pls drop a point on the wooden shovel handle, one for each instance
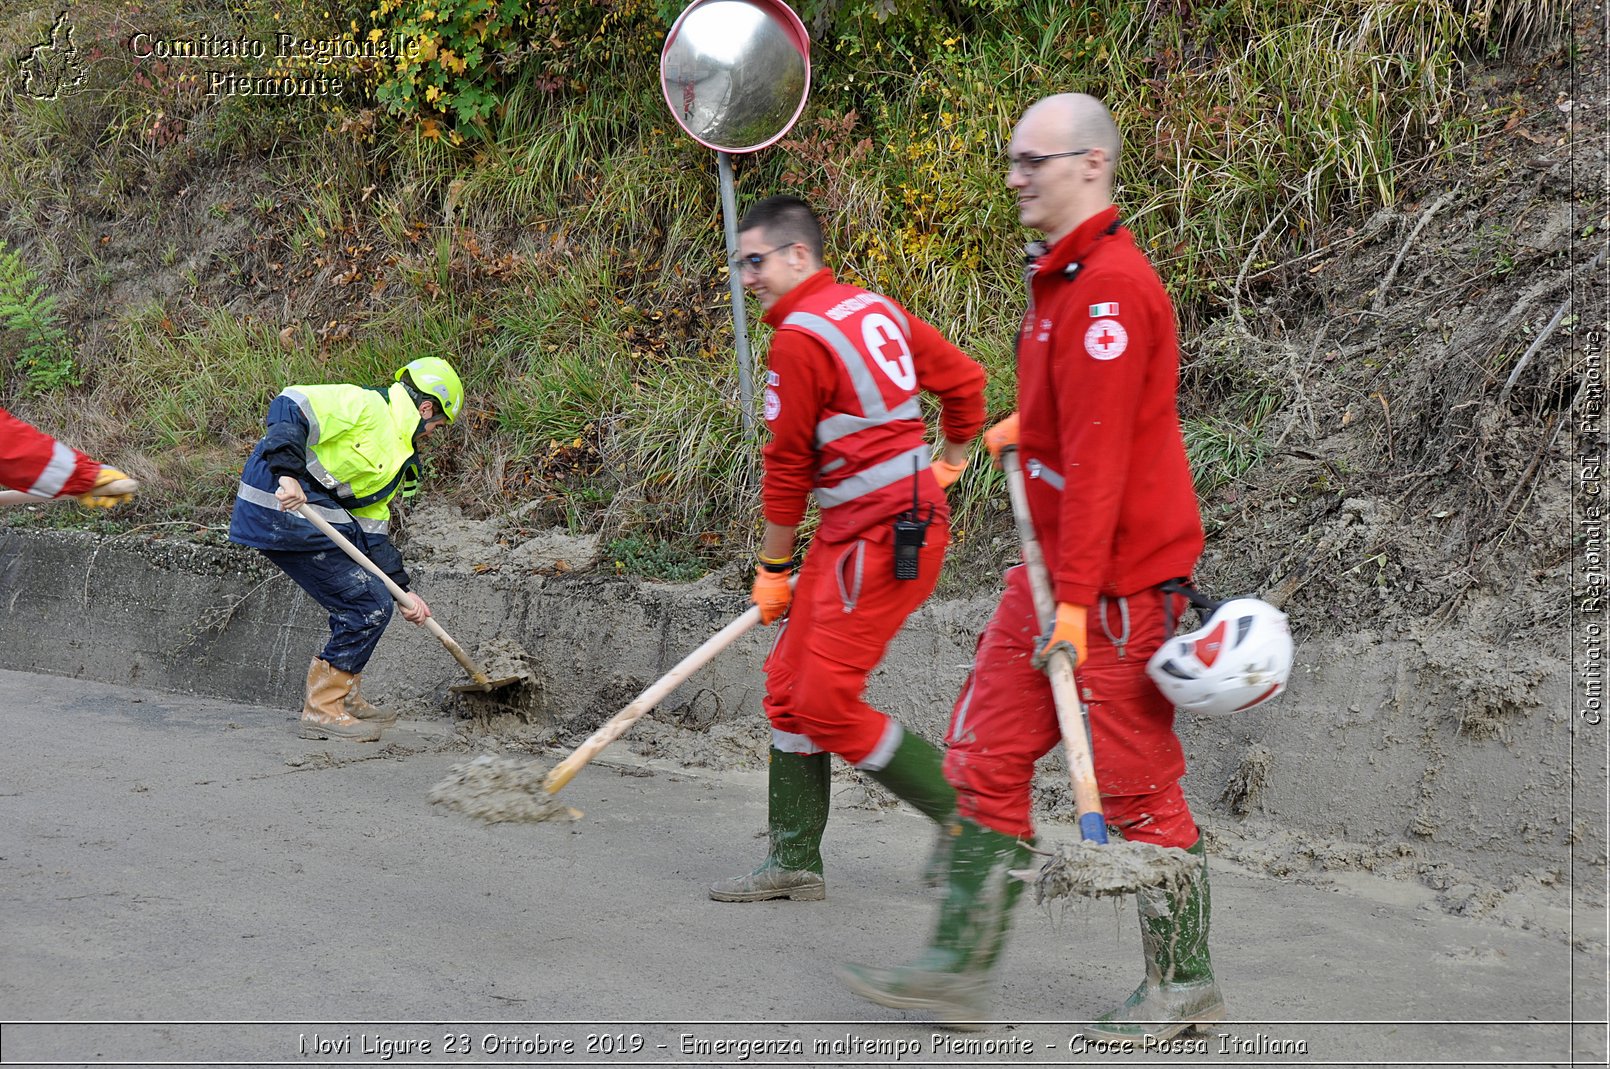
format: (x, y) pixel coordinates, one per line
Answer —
(397, 592)
(1071, 715)
(566, 770)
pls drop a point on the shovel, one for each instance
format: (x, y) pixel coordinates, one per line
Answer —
(115, 488)
(1093, 867)
(477, 673)
(566, 770)
(498, 789)
(1071, 715)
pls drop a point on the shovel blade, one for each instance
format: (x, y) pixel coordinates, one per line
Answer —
(489, 685)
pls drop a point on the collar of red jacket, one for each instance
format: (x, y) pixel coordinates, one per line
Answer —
(1077, 244)
(791, 300)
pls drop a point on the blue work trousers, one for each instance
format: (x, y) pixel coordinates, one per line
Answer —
(358, 603)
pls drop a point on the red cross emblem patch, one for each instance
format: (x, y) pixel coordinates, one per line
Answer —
(1106, 339)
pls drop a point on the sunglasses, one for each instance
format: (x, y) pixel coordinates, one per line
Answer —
(752, 261)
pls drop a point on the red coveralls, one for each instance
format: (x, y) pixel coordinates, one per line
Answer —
(841, 399)
(33, 461)
(1113, 505)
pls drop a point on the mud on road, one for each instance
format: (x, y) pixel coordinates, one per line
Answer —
(175, 858)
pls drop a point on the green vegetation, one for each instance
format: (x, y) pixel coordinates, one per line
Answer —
(509, 191)
(33, 344)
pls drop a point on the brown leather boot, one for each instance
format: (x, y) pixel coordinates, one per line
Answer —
(357, 706)
(324, 714)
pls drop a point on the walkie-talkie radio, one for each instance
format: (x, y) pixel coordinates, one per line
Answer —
(910, 532)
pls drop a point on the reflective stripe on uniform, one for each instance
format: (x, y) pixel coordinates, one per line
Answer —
(866, 389)
(888, 306)
(887, 473)
(60, 468)
(306, 405)
(326, 480)
(264, 499)
(789, 742)
(844, 424)
(883, 752)
(875, 412)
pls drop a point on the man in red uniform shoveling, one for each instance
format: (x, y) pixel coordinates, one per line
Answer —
(842, 385)
(1109, 490)
(35, 463)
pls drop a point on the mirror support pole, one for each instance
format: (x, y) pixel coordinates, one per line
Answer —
(740, 318)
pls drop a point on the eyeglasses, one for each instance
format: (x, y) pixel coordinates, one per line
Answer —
(1030, 164)
(753, 261)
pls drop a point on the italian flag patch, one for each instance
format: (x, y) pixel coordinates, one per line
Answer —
(1098, 311)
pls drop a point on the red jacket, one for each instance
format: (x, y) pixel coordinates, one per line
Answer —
(33, 461)
(1098, 376)
(876, 420)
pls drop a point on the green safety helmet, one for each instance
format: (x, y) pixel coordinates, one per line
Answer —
(434, 376)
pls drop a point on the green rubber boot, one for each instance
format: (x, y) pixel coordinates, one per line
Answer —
(796, 816)
(1179, 990)
(951, 977)
(916, 775)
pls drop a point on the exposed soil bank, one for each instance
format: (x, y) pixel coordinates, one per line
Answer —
(1417, 758)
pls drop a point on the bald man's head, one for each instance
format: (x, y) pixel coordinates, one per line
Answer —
(1064, 151)
(1084, 121)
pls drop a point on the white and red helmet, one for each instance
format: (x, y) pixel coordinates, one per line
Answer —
(1239, 658)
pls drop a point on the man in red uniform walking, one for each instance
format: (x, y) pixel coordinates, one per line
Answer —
(35, 463)
(1113, 505)
(841, 399)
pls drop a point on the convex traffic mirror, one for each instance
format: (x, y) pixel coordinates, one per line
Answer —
(736, 72)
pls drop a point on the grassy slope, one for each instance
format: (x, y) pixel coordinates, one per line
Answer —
(210, 250)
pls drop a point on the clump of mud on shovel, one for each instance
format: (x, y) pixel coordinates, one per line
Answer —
(1102, 870)
(498, 790)
(504, 657)
(518, 688)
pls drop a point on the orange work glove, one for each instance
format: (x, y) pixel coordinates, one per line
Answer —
(93, 500)
(1000, 436)
(947, 474)
(1067, 634)
(771, 592)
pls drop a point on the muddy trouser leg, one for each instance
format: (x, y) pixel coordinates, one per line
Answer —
(358, 603)
(1003, 720)
(1001, 723)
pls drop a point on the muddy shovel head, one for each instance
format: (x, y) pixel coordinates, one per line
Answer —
(482, 686)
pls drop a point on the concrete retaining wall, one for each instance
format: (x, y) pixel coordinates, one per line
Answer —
(1370, 746)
